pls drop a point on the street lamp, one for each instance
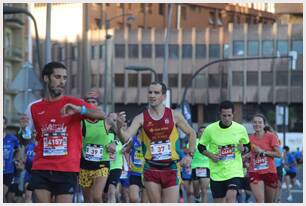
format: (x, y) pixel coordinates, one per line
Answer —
(141, 69)
(184, 104)
(107, 56)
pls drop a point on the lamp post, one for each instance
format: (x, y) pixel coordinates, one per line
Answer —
(141, 69)
(107, 80)
(184, 104)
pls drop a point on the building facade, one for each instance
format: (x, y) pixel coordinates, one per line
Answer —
(198, 35)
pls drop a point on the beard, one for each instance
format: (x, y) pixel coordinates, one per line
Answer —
(54, 92)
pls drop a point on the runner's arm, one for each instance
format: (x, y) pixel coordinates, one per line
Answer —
(275, 153)
(126, 133)
(71, 109)
(184, 126)
(203, 150)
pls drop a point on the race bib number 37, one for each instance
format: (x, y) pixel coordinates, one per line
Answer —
(161, 150)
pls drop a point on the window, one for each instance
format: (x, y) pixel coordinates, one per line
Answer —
(73, 80)
(119, 50)
(142, 8)
(93, 51)
(266, 78)
(161, 9)
(238, 48)
(101, 79)
(173, 80)
(213, 80)
(200, 51)
(214, 51)
(282, 47)
(225, 51)
(187, 51)
(211, 18)
(74, 52)
(119, 80)
(184, 12)
(267, 47)
(296, 78)
(150, 5)
(200, 80)
(252, 78)
(237, 78)
(185, 79)
(281, 78)
(101, 51)
(159, 50)
(297, 45)
(133, 50)
(94, 80)
(146, 80)
(132, 80)
(61, 53)
(173, 51)
(146, 50)
(252, 48)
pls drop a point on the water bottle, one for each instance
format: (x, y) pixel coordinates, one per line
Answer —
(27, 134)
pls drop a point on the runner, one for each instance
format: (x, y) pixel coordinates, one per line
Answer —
(10, 147)
(262, 170)
(115, 173)
(223, 142)
(57, 121)
(160, 141)
(200, 172)
(291, 169)
(97, 144)
(137, 192)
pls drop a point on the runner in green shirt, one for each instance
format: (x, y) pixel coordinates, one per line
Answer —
(223, 142)
(200, 172)
(96, 147)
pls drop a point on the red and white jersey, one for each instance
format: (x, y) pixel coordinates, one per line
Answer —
(59, 139)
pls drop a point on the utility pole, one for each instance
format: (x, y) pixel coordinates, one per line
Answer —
(48, 35)
(166, 53)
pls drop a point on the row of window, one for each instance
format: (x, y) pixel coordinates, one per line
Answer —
(268, 48)
(214, 80)
(239, 49)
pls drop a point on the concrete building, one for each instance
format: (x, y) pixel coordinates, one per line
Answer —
(15, 53)
(199, 34)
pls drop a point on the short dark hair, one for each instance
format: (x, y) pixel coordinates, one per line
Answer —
(226, 105)
(263, 117)
(164, 87)
(286, 148)
(48, 68)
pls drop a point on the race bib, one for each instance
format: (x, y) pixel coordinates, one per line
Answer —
(201, 172)
(94, 152)
(161, 150)
(55, 144)
(138, 158)
(188, 170)
(227, 152)
(261, 163)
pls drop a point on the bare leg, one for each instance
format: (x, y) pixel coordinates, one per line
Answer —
(269, 194)
(42, 196)
(258, 190)
(154, 191)
(170, 194)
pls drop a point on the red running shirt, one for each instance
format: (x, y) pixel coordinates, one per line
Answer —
(263, 164)
(59, 139)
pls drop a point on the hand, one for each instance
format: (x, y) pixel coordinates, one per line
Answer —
(240, 147)
(215, 158)
(70, 109)
(186, 161)
(23, 121)
(121, 120)
(257, 149)
(111, 148)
